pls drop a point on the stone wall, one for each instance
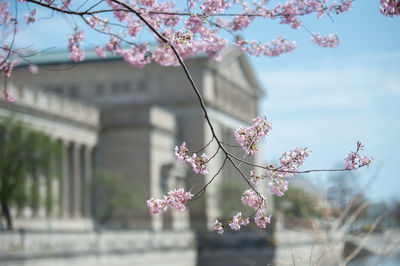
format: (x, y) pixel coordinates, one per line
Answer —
(98, 248)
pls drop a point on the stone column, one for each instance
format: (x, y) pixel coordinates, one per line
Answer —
(64, 181)
(55, 196)
(27, 211)
(42, 195)
(87, 173)
(76, 181)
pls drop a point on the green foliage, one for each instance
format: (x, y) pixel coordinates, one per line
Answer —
(114, 196)
(25, 154)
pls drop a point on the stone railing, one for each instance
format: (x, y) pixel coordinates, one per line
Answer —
(53, 104)
(98, 248)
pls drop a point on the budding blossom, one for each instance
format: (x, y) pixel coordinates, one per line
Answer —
(248, 137)
(238, 221)
(176, 199)
(198, 163)
(354, 160)
(254, 178)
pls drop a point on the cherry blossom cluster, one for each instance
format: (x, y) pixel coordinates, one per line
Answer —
(343, 6)
(290, 162)
(176, 199)
(278, 185)
(137, 55)
(218, 227)
(192, 30)
(75, 42)
(211, 7)
(252, 199)
(31, 16)
(8, 96)
(248, 137)
(332, 40)
(6, 65)
(198, 163)
(261, 220)
(390, 8)
(354, 160)
(271, 49)
(238, 221)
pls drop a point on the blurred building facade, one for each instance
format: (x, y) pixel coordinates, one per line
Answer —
(125, 122)
(137, 117)
(118, 126)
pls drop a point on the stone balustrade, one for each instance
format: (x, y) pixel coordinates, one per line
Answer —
(53, 104)
(98, 248)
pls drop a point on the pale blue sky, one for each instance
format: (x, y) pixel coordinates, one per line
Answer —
(322, 98)
(327, 99)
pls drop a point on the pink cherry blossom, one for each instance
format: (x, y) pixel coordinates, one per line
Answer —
(271, 49)
(75, 45)
(332, 40)
(31, 17)
(278, 186)
(6, 66)
(199, 163)
(100, 51)
(210, 7)
(34, 69)
(156, 205)
(292, 160)
(182, 153)
(8, 96)
(218, 227)
(261, 220)
(238, 221)
(249, 136)
(354, 160)
(252, 199)
(137, 55)
(390, 8)
(177, 198)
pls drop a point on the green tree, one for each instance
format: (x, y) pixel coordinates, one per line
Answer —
(24, 153)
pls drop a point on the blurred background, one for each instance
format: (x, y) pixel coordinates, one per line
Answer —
(84, 146)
